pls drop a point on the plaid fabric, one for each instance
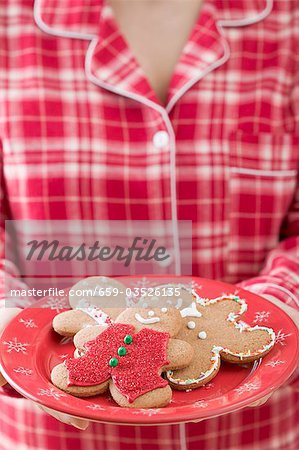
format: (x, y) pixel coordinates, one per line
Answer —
(83, 136)
(273, 426)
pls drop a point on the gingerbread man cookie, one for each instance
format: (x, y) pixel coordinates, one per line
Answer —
(213, 329)
(89, 299)
(127, 359)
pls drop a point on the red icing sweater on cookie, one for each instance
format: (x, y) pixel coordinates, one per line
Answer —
(133, 366)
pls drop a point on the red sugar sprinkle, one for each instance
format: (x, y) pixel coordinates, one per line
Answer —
(137, 372)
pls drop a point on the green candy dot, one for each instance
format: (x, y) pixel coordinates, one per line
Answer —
(121, 351)
(113, 362)
(128, 339)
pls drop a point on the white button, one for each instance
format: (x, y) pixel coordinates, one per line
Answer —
(161, 139)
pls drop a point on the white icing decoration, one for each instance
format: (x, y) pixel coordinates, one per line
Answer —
(207, 301)
(151, 313)
(148, 321)
(97, 314)
(232, 317)
(216, 359)
(191, 325)
(241, 326)
(164, 310)
(191, 311)
(202, 335)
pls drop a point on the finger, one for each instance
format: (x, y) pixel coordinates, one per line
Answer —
(81, 424)
(2, 380)
(260, 402)
(6, 315)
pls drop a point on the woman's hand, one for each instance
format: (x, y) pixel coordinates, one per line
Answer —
(6, 315)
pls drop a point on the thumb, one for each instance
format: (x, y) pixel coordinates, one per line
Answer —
(261, 402)
(7, 314)
(81, 424)
(2, 380)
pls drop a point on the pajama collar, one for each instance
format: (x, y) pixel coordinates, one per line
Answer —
(110, 63)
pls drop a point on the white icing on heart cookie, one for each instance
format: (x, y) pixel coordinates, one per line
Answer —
(94, 312)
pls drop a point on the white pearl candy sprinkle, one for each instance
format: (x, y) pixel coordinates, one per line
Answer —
(164, 310)
(202, 335)
(151, 313)
(191, 325)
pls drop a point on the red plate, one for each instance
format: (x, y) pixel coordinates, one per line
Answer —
(30, 349)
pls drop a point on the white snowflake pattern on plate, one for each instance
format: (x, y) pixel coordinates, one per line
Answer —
(200, 404)
(141, 283)
(148, 412)
(192, 285)
(50, 393)
(15, 346)
(275, 363)
(281, 337)
(23, 370)
(56, 303)
(95, 407)
(261, 316)
(248, 387)
(28, 323)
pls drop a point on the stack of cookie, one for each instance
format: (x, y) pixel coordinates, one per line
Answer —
(141, 354)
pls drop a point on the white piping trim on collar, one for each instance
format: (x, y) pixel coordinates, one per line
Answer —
(250, 21)
(55, 31)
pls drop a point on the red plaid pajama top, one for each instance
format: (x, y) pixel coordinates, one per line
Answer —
(83, 136)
